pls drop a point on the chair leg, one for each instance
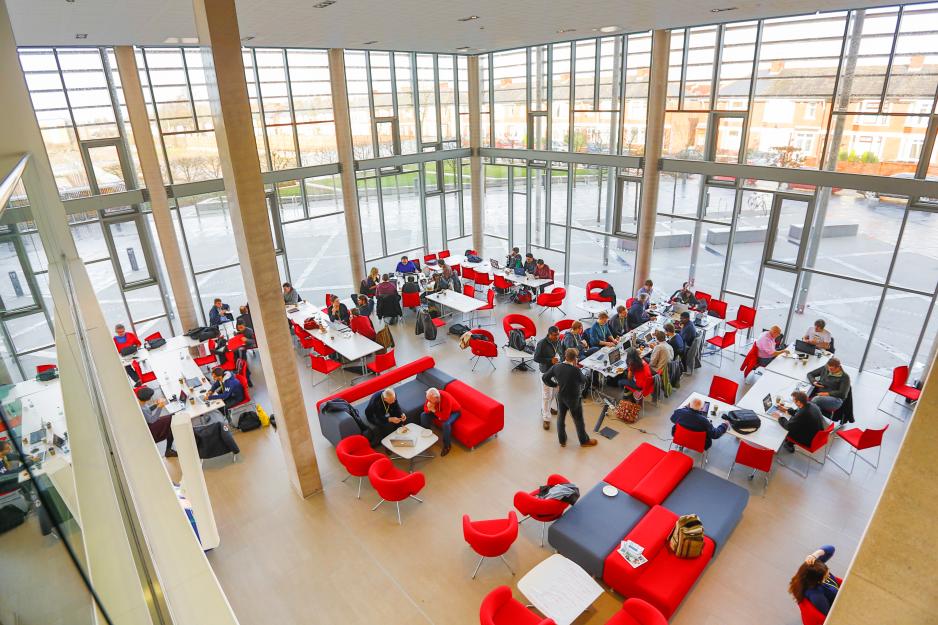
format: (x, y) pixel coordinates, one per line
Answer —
(398, 504)
(417, 498)
(377, 504)
(360, 487)
(506, 564)
(493, 364)
(730, 472)
(543, 531)
(478, 566)
(347, 477)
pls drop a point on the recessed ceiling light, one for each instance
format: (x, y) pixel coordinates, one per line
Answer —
(566, 30)
(723, 9)
(184, 40)
(607, 29)
(468, 19)
(247, 38)
(70, 1)
(463, 49)
(369, 43)
(81, 36)
(324, 4)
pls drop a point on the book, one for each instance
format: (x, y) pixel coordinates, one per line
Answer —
(632, 553)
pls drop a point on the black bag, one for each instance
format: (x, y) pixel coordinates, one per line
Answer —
(418, 323)
(480, 337)
(458, 329)
(130, 350)
(522, 296)
(203, 333)
(340, 405)
(471, 258)
(48, 374)
(516, 340)
(429, 330)
(10, 517)
(249, 421)
(157, 342)
(610, 293)
(744, 421)
(215, 439)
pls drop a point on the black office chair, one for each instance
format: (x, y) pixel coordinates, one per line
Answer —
(831, 348)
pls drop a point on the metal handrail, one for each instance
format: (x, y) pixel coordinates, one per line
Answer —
(9, 181)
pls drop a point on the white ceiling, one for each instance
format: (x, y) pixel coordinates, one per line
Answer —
(421, 25)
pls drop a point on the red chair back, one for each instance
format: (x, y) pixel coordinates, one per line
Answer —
(728, 339)
(500, 608)
(490, 300)
(391, 483)
(410, 300)
(41, 368)
(468, 273)
(468, 290)
(745, 316)
(696, 441)
(457, 269)
(723, 390)
(525, 324)
(751, 361)
(717, 308)
(383, 362)
(321, 348)
(443, 254)
(900, 376)
(243, 379)
(490, 538)
(809, 614)
(593, 288)
(704, 296)
(155, 335)
(544, 510)
(322, 365)
(629, 302)
(757, 458)
(328, 300)
(429, 257)
(483, 279)
(871, 438)
(356, 455)
(501, 282)
(564, 324)
(820, 439)
(551, 273)
(486, 349)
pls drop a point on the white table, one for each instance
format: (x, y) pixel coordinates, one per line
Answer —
(594, 308)
(350, 345)
(770, 434)
(173, 344)
(527, 280)
(169, 367)
(773, 384)
(560, 589)
(517, 355)
(793, 367)
(456, 301)
(421, 443)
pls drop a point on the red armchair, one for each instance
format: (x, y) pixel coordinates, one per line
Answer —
(542, 510)
(637, 612)
(483, 348)
(357, 456)
(395, 485)
(490, 539)
(564, 324)
(521, 322)
(500, 608)
(593, 288)
(552, 299)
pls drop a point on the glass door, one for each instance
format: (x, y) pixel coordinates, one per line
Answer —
(788, 229)
(107, 166)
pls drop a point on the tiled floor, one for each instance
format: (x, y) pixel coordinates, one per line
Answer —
(330, 559)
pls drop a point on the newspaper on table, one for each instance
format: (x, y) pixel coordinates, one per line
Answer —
(632, 552)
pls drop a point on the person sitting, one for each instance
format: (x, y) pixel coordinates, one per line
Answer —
(160, 427)
(767, 346)
(818, 336)
(411, 286)
(244, 316)
(806, 421)
(445, 270)
(638, 313)
(619, 323)
(813, 580)
(541, 270)
(693, 417)
(250, 342)
(599, 334)
(674, 340)
(361, 324)
(370, 283)
(443, 407)
(123, 340)
(365, 305)
(567, 377)
(574, 339)
(688, 331)
(684, 295)
(406, 266)
(441, 283)
(662, 354)
(225, 387)
(831, 385)
(514, 259)
(386, 287)
(529, 263)
(384, 412)
(338, 311)
(290, 296)
(648, 290)
(638, 376)
(9, 459)
(219, 313)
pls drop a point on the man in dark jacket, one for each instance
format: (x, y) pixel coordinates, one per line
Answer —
(619, 323)
(688, 331)
(831, 385)
(806, 421)
(384, 412)
(693, 417)
(546, 355)
(637, 312)
(225, 387)
(219, 313)
(675, 340)
(569, 380)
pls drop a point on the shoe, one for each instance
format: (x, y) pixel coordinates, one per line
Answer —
(553, 411)
(170, 453)
(564, 444)
(788, 446)
(546, 425)
(590, 443)
(445, 451)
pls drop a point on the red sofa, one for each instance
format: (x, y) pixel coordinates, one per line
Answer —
(480, 416)
(650, 474)
(665, 579)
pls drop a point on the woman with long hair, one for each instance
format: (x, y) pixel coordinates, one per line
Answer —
(638, 379)
(814, 581)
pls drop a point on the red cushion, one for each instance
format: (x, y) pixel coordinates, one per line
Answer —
(480, 415)
(381, 382)
(665, 579)
(662, 478)
(635, 466)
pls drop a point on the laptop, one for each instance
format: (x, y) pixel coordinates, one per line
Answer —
(494, 263)
(769, 405)
(677, 308)
(805, 348)
(172, 407)
(615, 355)
(519, 271)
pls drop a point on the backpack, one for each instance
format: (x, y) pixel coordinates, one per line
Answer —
(458, 329)
(249, 421)
(429, 330)
(522, 296)
(203, 333)
(516, 340)
(157, 342)
(384, 339)
(687, 537)
(472, 258)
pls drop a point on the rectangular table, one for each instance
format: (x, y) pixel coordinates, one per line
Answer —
(773, 384)
(795, 368)
(336, 336)
(457, 301)
(527, 280)
(560, 589)
(770, 434)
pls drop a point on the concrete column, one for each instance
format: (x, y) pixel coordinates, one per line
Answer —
(119, 477)
(475, 161)
(654, 131)
(217, 24)
(892, 578)
(153, 179)
(343, 139)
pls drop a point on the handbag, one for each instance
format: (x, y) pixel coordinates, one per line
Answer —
(744, 421)
(130, 350)
(310, 324)
(157, 342)
(627, 411)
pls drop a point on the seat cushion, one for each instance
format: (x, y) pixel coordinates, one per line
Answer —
(411, 397)
(635, 466)
(593, 527)
(718, 502)
(469, 429)
(662, 478)
(435, 377)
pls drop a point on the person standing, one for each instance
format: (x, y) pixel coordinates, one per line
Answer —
(570, 381)
(546, 355)
(124, 339)
(442, 408)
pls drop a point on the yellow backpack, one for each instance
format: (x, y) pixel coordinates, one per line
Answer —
(265, 420)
